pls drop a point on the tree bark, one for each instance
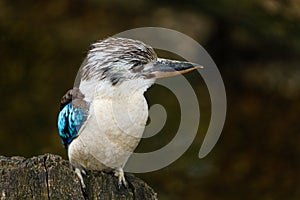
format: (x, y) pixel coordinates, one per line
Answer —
(51, 177)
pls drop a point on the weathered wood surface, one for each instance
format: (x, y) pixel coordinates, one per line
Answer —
(51, 177)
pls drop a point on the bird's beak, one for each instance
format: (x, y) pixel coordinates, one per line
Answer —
(164, 68)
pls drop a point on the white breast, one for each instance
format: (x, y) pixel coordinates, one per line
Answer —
(114, 127)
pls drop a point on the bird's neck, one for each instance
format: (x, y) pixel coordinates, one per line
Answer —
(105, 90)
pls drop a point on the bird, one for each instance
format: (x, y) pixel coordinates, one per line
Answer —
(102, 118)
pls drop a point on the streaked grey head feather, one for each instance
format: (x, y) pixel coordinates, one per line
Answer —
(116, 59)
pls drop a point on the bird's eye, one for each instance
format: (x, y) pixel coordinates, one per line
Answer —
(137, 68)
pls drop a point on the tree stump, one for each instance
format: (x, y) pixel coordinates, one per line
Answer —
(51, 177)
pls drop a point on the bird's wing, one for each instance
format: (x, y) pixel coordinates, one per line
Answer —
(73, 113)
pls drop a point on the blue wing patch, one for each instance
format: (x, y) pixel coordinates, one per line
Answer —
(70, 120)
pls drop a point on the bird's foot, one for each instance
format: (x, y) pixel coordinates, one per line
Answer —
(121, 178)
(79, 174)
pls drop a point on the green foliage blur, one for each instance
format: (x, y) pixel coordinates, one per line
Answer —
(255, 43)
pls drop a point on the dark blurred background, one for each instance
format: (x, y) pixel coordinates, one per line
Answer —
(255, 44)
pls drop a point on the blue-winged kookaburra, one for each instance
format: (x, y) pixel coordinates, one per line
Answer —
(102, 119)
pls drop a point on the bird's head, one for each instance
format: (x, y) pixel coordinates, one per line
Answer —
(118, 60)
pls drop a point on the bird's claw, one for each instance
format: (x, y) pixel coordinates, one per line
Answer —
(79, 174)
(121, 178)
